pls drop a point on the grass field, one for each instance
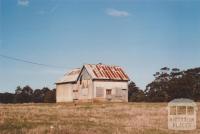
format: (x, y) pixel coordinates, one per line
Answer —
(98, 118)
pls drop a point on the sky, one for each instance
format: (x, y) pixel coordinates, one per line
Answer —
(141, 36)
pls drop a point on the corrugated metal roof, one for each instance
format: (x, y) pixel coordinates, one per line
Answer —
(97, 71)
(101, 71)
(182, 102)
(71, 76)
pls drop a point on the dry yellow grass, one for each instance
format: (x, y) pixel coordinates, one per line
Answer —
(98, 118)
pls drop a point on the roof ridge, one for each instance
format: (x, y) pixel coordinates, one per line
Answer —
(104, 65)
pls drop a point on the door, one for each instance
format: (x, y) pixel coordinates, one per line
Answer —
(75, 94)
(109, 94)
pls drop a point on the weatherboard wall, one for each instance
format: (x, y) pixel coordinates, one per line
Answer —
(119, 90)
(64, 92)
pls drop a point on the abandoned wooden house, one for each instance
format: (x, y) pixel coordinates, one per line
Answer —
(93, 83)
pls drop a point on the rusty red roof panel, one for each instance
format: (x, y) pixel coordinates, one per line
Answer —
(95, 73)
(101, 71)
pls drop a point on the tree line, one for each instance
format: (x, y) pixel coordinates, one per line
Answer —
(28, 95)
(167, 85)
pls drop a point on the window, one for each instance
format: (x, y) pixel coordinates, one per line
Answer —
(181, 110)
(119, 92)
(108, 91)
(99, 92)
(190, 110)
(75, 90)
(173, 110)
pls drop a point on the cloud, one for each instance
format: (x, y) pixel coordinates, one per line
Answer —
(117, 13)
(47, 11)
(23, 2)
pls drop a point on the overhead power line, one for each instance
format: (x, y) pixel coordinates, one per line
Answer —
(27, 61)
